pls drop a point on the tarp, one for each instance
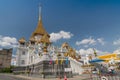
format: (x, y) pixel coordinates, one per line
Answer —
(96, 60)
(108, 56)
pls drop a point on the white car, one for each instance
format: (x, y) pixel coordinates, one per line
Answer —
(94, 72)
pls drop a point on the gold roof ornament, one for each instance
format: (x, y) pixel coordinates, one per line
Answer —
(58, 54)
(66, 54)
(22, 40)
(32, 39)
(72, 53)
(65, 45)
(45, 49)
(71, 50)
(40, 29)
(45, 39)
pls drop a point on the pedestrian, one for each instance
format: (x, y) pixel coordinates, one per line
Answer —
(28, 72)
(65, 78)
(98, 71)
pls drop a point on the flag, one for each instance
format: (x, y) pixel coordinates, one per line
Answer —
(50, 61)
(56, 61)
(66, 60)
(61, 61)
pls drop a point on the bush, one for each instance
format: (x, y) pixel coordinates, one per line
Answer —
(6, 70)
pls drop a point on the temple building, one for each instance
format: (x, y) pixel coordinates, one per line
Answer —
(39, 56)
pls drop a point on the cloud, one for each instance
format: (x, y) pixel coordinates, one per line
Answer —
(90, 41)
(6, 41)
(86, 41)
(116, 42)
(117, 50)
(101, 41)
(87, 51)
(90, 51)
(60, 35)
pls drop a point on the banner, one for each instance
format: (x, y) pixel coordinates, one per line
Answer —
(68, 69)
(56, 61)
(67, 61)
(50, 61)
(61, 61)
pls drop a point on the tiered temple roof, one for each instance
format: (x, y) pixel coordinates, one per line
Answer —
(40, 29)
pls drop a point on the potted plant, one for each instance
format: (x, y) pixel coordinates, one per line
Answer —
(42, 74)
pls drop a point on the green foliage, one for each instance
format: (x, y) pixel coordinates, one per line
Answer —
(42, 72)
(6, 70)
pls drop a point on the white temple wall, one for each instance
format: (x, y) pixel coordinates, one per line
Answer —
(76, 66)
(21, 56)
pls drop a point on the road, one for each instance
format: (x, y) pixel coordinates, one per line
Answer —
(82, 77)
(23, 77)
(8, 77)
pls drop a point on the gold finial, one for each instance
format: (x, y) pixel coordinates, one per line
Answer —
(40, 12)
(22, 40)
(65, 45)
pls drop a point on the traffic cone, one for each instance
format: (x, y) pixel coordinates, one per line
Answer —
(65, 78)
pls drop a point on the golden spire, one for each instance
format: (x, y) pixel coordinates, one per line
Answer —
(22, 40)
(40, 29)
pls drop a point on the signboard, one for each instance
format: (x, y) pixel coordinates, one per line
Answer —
(68, 69)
